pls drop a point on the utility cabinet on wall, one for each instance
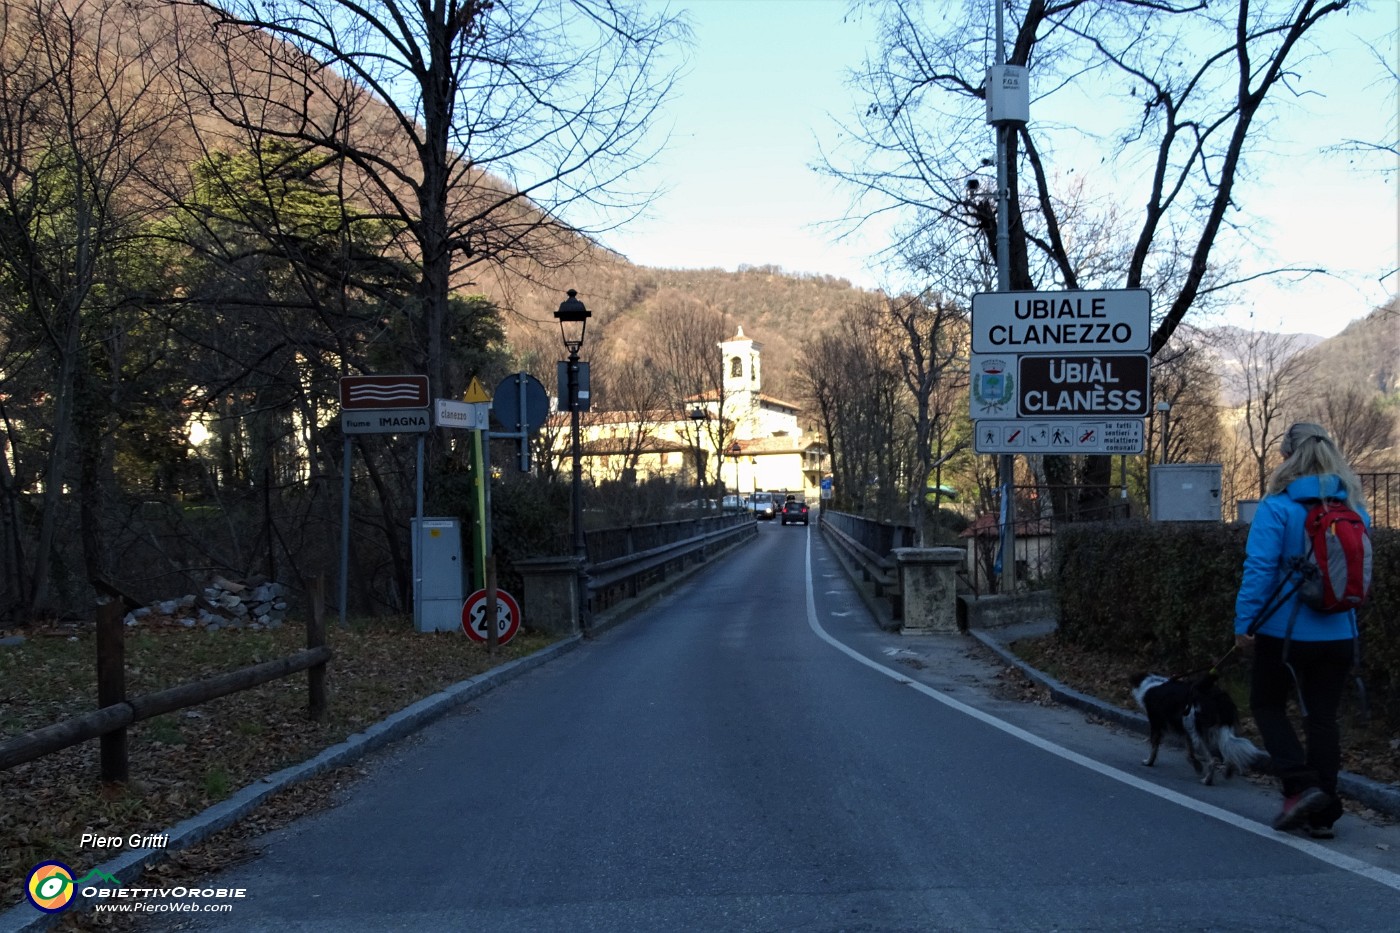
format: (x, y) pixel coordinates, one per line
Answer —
(1185, 492)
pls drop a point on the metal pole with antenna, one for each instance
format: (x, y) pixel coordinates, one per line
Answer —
(1006, 462)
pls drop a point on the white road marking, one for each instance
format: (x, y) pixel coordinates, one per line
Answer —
(1319, 852)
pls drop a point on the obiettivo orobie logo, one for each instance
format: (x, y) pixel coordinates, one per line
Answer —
(51, 887)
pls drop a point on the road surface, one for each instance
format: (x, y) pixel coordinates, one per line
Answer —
(752, 753)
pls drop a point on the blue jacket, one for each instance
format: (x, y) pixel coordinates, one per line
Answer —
(1275, 537)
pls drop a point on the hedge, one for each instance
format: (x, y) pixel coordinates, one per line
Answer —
(1163, 593)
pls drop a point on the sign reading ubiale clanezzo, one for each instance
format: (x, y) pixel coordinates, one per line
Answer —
(1046, 357)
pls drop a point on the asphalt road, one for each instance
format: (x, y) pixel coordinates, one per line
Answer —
(752, 753)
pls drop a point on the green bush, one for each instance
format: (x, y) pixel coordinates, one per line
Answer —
(1163, 593)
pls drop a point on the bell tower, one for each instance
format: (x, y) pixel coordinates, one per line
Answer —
(743, 372)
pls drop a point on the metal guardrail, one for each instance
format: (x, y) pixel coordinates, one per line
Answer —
(682, 543)
(877, 568)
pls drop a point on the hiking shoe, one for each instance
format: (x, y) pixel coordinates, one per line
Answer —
(1322, 832)
(1299, 807)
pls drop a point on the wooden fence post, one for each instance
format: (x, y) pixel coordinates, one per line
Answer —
(316, 638)
(111, 686)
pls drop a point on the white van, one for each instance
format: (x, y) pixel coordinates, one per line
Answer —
(764, 504)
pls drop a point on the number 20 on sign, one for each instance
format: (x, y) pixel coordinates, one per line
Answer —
(507, 616)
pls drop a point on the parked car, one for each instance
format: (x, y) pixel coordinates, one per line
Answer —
(763, 505)
(698, 505)
(733, 503)
(794, 511)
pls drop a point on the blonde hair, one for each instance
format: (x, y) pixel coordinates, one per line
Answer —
(1308, 450)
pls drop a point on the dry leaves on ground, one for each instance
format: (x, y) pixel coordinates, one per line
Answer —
(1368, 746)
(185, 761)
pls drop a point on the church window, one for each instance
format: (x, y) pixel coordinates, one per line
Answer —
(736, 368)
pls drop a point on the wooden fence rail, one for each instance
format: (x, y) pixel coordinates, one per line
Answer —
(118, 712)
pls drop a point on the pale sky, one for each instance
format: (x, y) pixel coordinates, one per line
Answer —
(765, 76)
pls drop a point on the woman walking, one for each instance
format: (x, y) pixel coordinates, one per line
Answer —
(1297, 646)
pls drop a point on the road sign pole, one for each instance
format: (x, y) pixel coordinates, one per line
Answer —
(481, 530)
(344, 527)
(418, 542)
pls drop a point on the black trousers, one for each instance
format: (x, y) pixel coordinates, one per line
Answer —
(1319, 675)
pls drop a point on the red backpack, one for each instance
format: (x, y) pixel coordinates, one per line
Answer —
(1336, 571)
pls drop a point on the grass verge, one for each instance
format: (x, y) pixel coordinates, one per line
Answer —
(187, 760)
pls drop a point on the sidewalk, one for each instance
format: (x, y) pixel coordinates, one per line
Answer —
(1383, 798)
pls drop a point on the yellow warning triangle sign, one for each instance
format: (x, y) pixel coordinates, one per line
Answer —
(475, 393)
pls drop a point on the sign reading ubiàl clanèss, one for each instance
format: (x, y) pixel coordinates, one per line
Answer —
(1083, 386)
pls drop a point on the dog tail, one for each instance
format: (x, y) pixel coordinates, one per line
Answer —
(1239, 751)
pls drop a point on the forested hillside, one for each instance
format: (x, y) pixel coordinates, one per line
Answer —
(777, 309)
(205, 226)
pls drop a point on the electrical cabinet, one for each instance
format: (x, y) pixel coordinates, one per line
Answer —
(438, 567)
(1185, 492)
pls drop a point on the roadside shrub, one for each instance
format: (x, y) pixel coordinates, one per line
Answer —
(1163, 594)
(1160, 590)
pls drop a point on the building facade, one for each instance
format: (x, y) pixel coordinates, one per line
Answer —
(735, 435)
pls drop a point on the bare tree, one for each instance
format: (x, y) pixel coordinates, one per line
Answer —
(1180, 92)
(1182, 376)
(683, 349)
(636, 396)
(1270, 377)
(852, 378)
(930, 339)
(1358, 421)
(473, 126)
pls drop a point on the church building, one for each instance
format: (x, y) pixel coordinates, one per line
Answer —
(736, 435)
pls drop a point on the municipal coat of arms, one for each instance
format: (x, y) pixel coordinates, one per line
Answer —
(993, 386)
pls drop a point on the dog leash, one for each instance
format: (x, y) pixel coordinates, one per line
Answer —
(1213, 670)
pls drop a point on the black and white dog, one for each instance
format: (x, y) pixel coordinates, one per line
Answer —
(1202, 714)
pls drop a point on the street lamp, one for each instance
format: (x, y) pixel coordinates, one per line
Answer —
(697, 415)
(573, 321)
(734, 451)
(1166, 409)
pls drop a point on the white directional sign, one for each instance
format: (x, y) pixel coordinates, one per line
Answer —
(1059, 437)
(1117, 321)
(470, 416)
(385, 421)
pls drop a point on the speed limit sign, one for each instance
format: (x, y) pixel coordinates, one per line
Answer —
(507, 616)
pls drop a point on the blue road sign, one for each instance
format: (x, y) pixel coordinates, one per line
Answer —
(520, 403)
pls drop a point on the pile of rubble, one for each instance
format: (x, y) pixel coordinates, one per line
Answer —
(255, 604)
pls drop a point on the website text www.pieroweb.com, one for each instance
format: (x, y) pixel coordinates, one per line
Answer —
(53, 887)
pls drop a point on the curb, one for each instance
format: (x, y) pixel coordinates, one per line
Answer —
(23, 918)
(1383, 798)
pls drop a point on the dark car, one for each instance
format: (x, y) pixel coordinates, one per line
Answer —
(794, 511)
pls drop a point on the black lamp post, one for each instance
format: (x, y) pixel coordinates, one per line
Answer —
(573, 321)
(734, 451)
(697, 415)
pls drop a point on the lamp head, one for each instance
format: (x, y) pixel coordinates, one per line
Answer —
(573, 321)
